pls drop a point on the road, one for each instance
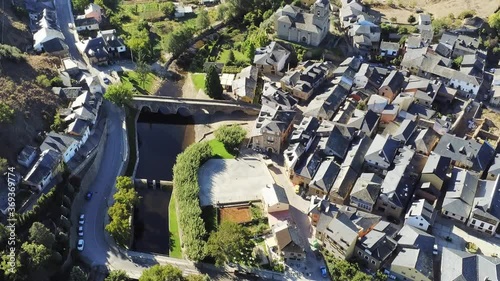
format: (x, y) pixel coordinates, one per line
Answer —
(64, 17)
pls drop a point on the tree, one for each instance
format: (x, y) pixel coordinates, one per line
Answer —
(230, 243)
(58, 124)
(197, 277)
(124, 183)
(139, 42)
(128, 197)
(80, 5)
(167, 8)
(230, 57)
(494, 20)
(222, 11)
(142, 69)
(77, 274)
(412, 19)
(6, 113)
(177, 41)
(117, 275)
(43, 81)
(40, 234)
(402, 30)
(230, 135)
(202, 20)
(361, 105)
(250, 50)
(162, 273)
(109, 5)
(213, 88)
(37, 255)
(346, 271)
(457, 62)
(4, 165)
(120, 94)
(119, 226)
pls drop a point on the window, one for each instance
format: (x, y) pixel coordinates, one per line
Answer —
(421, 224)
(482, 224)
(491, 227)
(373, 262)
(360, 253)
(473, 221)
(366, 257)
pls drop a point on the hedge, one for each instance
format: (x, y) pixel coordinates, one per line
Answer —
(186, 191)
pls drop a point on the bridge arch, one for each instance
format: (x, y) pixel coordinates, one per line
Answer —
(164, 110)
(183, 111)
(146, 108)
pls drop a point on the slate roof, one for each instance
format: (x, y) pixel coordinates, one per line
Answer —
(405, 130)
(356, 154)
(78, 126)
(367, 187)
(47, 161)
(462, 266)
(438, 165)
(344, 182)
(271, 54)
(245, 82)
(54, 45)
(85, 21)
(298, 19)
(389, 46)
(338, 141)
(272, 96)
(495, 167)
(95, 47)
(474, 155)
(326, 104)
(57, 142)
(325, 175)
(309, 166)
(460, 193)
(394, 81)
(379, 244)
(287, 238)
(26, 153)
(275, 194)
(423, 209)
(486, 203)
(426, 138)
(382, 149)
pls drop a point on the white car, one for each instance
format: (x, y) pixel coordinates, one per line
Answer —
(435, 250)
(80, 231)
(81, 219)
(80, 245)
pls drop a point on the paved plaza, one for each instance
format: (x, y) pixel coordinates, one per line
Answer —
(227, 181)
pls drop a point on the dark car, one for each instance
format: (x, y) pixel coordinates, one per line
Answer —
(323, 272)
(88, 196)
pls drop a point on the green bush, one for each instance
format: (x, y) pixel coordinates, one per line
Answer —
(230, 135)
(11, 53)
(43, 81)
(466, 14)
(186, 192)
(6, 113)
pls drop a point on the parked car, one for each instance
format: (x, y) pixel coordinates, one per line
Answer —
(80, 245)
(435, 250)
(81, 219)
(80, 231)
(88, 196)
(323, 272)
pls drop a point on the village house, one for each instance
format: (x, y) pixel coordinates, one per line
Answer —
(325, 105)
(459, 265)
(435, 172)
(374, 249)
(114, 44)
(485, 214)
(308, 76)
(94, 51)
(288, 243)
(43, 170)
(416, 255)
(392, 85)
(381, 154)
(27, 156)
(468, 154)
(93, 11)
(405, 130)
(324, 178)
(425, 141)
(303, 136)
(56, 47)
(296, 25)
(389, 49)
(460, 194)
(272, 129)
(365, 36)
(44, 35)
(88, 24)
(494, 169)
(365, 192)
(245, 84)
(271, 59)
(274, 199)
(421, 215)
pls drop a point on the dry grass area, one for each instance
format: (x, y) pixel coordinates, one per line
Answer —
(495, 118)
(13, 30)
(240, 214)
(34, 106)
(439, 8)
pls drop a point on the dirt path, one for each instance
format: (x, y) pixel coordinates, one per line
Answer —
(190, 92)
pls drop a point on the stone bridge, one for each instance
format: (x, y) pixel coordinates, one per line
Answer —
(187, 107)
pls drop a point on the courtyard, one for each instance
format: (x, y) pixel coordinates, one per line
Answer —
(229, 181)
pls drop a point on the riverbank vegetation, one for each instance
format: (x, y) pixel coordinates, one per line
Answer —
(121, 94)
(169, 272)
(230, 136)
(120, 212)
(145, 83)
(173, 228)
(219, 150)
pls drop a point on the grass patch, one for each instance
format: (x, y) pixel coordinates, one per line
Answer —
(175, 241)
(239, 56)
(132, 78)
(198, 80)
(219, 150)
(131, 136)
(209, 216)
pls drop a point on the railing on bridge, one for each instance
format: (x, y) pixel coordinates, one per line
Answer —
(145, 97)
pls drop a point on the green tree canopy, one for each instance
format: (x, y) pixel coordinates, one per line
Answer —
(128, 197)
(58, 124)
(80, 5)
(213, 88)
(230, 135)
(162, 273)
(77, 274)
(124, 183)
(4, 165)
(346, 271)
(40, 234)
(202, 20)
(120, 94)
(494, 20)
(168, 9)
(230, 243)
(37, 255)
(117, 275)
(412, 19)
(119, 226)
(177, 41)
